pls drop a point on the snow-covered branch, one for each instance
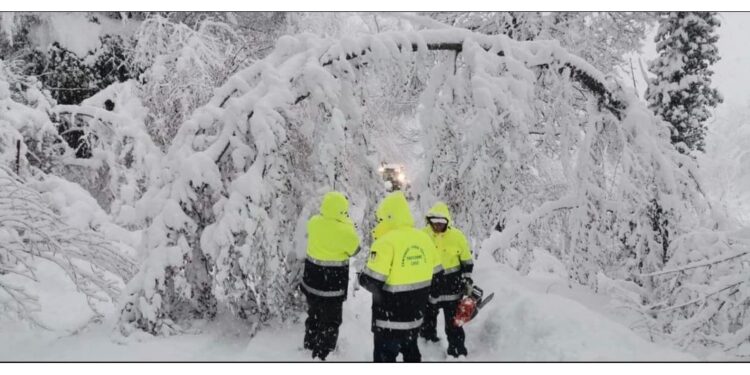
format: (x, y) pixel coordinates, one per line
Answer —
(704, 263)
(31, 232)
(453, 40)
(699, 299)
(501, 240)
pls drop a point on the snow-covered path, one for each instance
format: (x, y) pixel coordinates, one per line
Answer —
(527, 321)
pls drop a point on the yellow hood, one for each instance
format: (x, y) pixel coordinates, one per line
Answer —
(335, 206)
(440, 209)
(393, 212)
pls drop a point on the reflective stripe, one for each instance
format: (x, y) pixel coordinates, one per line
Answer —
(445, 298)
(451, 270)
(437, 269)
(466, 274)
(375, 275)
(398, 325)
(335, 293)
(407, 287)
(329, 263)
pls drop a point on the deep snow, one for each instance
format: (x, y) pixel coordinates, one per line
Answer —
(530, 319)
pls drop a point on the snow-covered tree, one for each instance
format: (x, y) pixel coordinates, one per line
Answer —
(725, 163)
(123, 157)
(601, 38)
(181, 68)
(577, 163)
(71, 73)
(67, 76)
(34, 230)
(701, 297)
(26, 123)
(242, 172)
(681, 93)
(110, 63)
(32, 233)
(212, 160)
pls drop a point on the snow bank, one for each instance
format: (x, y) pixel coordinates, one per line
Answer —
(62, 307)
(525, 322)
(526, 325)
(80, 210)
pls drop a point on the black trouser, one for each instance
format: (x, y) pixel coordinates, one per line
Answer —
(322, 324)
(387, 347)
(456, 335)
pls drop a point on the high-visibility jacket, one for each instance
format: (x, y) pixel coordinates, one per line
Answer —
(456, 258)
(331, 241)
(400, 269)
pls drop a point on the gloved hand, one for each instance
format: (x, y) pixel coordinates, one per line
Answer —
(468, 285)
(376, 290)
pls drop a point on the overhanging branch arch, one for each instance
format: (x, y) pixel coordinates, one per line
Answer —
(589, 77)
(226, 187)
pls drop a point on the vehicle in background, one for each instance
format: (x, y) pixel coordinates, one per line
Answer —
(394, 177)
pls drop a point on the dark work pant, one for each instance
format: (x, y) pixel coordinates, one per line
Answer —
(388, 346)
(322, 324)
(456, 335)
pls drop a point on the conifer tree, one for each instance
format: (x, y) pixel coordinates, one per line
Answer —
(681, 93)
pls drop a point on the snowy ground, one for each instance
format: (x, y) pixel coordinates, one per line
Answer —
(530, 319)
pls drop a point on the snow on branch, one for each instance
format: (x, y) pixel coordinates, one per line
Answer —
(705, 263)
(243, 167)
(734, 284)
(30, 231)
(123, 158)
(502, 240)
(548, 54)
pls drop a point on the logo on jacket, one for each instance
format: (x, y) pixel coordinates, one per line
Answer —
(413, 256)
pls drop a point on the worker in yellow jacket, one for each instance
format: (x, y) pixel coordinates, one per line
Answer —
(331, 241)
(453, 283)
(399, 273)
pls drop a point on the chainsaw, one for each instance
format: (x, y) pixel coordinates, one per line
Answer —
(469, 306)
